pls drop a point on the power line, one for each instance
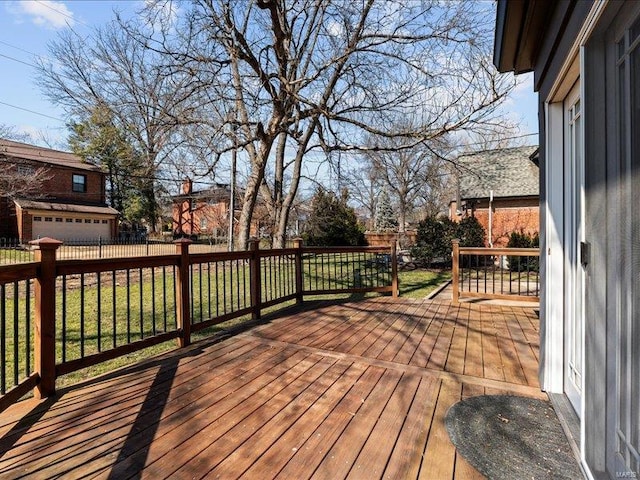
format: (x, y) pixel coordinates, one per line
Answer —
(62, 13)
(18, 60)
(32, 111)
(19, 48)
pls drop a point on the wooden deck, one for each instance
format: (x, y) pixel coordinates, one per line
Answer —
(351, 390)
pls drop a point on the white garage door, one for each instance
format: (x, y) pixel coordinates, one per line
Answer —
(79, 228)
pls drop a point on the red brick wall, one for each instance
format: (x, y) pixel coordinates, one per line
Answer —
(60, 186)
(189, 222)
(509, 216)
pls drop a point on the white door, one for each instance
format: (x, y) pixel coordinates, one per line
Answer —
(574, 237)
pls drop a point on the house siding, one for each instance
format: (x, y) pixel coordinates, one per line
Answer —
(563, 29)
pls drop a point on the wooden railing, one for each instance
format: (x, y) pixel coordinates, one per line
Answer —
(59, 316)
(495, 273)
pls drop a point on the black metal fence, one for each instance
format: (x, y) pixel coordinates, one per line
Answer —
(20, 251)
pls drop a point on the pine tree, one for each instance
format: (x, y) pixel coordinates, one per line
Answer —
(332, 222)
(385, 218)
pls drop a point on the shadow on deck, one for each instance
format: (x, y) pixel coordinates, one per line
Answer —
(355, 389)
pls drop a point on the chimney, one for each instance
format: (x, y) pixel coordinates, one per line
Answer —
(187, 186)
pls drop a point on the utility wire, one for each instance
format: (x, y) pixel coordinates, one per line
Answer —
(32, 111)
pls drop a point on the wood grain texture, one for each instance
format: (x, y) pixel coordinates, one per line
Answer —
(347, 390)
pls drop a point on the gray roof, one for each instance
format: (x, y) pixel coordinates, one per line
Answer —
(509, 172)
(18, 150)
(65, 207)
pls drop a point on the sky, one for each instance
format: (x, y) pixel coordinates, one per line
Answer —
(27, 27)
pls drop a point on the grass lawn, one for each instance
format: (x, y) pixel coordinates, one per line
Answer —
(421, 282)
(14, 255)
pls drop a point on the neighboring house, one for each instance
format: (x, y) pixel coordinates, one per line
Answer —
(501, 189)
(69, 201)
(585, 58)
(204, 212)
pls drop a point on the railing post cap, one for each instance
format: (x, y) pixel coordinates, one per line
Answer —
(46, 243)
(183, 241)
(455, 240)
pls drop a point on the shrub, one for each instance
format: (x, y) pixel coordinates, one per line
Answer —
(470, 232)
(433, 240)
(523, 264)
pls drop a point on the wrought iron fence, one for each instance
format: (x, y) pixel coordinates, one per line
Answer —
(21, 251)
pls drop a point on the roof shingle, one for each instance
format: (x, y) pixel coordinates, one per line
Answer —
(509, 172)
(11, 149)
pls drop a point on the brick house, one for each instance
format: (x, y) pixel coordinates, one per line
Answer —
(206, 212)
(501, 189)
(203, 212)
(69, 199)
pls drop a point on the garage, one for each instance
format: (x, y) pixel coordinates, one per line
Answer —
(66, 222)
(70, 228)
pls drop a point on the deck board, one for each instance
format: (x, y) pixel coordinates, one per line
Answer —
(347, 390)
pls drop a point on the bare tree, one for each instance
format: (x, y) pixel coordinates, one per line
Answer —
(305, 76)
(10, 132)
(111, 68)
(364, 184)
(21, 179)
(281, 80)
(409, 175)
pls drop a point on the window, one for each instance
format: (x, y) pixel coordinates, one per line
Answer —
(25, 170)
(96, 221)
(87, 220)
(79, 183)
(203, 223)
(69, 220)
(48, 219)
(58, 219)
(78, 220)
(37, 219)
(105, 221)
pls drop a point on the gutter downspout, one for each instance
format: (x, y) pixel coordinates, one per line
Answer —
(490, 218)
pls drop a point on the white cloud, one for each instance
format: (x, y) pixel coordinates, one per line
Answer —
(45, 13)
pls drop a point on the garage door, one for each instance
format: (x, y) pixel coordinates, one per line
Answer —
(66, 228)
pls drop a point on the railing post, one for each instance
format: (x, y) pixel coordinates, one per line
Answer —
(297, 244)
(45, 317)
(455, 272)
(256, 279)
(394, 270)
(183, 292)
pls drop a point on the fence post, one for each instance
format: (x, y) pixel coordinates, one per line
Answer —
(183, 292)
(297, 244)
(455, 272)
(256, 278)
(45, 317)
(394, 270)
